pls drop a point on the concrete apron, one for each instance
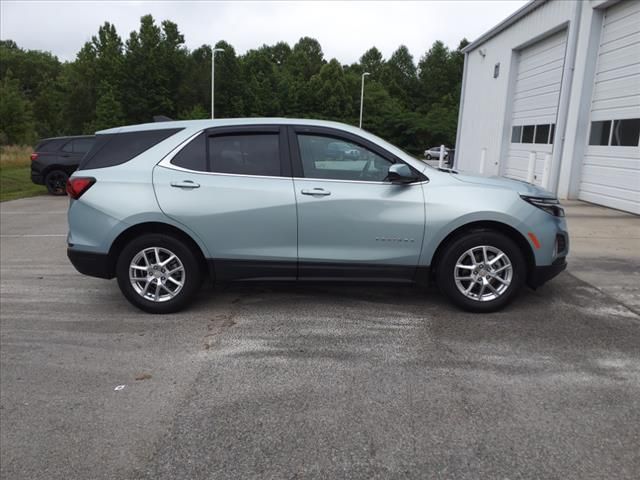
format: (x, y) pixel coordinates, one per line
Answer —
(605, 250)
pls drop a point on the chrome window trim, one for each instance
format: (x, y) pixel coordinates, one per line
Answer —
(370, 182)
(166, 163)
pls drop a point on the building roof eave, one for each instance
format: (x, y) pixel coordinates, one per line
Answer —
(506, 23)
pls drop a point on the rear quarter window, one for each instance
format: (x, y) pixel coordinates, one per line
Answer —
(114, 149)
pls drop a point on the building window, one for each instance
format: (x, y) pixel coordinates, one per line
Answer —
(516, 133)
(528, 132)
(600, 133)
(626, 133)
(542, 134)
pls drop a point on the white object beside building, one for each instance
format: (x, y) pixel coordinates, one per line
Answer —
(553, 93)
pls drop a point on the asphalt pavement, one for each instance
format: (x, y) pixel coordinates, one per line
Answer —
(331, 381)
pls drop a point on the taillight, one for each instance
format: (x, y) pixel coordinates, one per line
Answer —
(34, 156)
(76, 186)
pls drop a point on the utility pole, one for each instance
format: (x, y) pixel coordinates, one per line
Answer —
(362, 96)
(213, 75)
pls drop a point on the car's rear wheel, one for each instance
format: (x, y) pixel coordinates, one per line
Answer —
(56, 182)
(158, 273)
(482, 271)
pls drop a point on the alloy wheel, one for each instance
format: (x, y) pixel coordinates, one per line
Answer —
(56, 182)
(483, 273)
(156, 274)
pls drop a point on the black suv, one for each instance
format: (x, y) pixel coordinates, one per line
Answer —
(54, 159)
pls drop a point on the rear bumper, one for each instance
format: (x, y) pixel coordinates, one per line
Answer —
(543, 274)
(92, 264)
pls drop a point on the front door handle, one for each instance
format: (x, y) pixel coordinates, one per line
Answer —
(320, 192)
(185, 184)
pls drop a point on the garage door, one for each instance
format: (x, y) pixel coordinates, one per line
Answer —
(611, 168)
(534, 105)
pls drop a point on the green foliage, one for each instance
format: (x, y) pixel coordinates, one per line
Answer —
(109, 112)
(15, 173)
(16, 115)
(111, 82)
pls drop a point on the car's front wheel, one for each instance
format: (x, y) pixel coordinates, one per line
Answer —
(482, 271)
(428, 156)
(158, 273)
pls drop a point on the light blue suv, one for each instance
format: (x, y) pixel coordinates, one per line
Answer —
(161, 206)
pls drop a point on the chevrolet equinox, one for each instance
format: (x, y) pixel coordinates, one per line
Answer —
(161, 206)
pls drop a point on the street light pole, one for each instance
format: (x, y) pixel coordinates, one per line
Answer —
(362, 96)
(213, 75)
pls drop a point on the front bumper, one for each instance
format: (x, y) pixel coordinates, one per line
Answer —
(543, 274)
(37, 178)
(92, 264)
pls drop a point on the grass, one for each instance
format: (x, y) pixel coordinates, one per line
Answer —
(15, 173)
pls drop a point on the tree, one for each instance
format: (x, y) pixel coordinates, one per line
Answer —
(329, 90)
(109, 112)
(372, 62)
(400, 78)
(16, 117)
(153, 59)
(306, 59)
(434, 75)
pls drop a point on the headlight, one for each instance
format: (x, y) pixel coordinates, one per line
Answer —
(549, 205)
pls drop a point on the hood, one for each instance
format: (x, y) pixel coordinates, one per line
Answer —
(519, 186)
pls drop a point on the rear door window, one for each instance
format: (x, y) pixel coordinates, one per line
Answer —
(82, 145)
(245, 154)
(117, 148)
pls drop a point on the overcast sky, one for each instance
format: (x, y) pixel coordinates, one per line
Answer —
(344, 29)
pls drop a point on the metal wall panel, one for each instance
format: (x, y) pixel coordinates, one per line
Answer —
(535, 101)
(611, 174)
(487, 109)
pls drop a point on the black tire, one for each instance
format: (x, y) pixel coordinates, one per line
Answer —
(446, 270)
(428, 156)
(56, 182)
(191, 277)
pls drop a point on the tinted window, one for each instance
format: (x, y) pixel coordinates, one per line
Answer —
(82, 145)
(527, 133)
(516, 133)
(68, 147)
(321, 159)
(600, 133)
(118, 148)
(247, 154)
(542, 134)
(193, 156)
(552, 133)
(626, 133)
(52, 145)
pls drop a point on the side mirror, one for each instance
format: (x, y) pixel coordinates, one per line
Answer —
(400, 173)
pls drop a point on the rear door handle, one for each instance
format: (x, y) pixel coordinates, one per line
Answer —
(320, 192)
(185, 184)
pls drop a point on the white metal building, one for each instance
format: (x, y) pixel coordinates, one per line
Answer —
(552, 95)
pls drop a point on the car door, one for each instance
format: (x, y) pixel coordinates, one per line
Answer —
(232, 187)
(68, 155)
(352, 222)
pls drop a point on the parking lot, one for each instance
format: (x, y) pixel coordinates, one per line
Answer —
(310, 381)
